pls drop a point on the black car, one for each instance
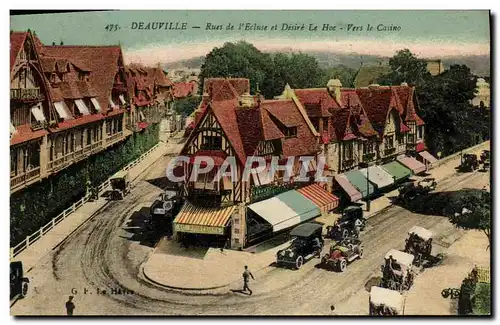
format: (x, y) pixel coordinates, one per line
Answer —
(349, 225)
(18, 283)
(307, 241)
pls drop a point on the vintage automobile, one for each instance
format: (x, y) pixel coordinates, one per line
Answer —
(468, 163)
(409, 190)
(18, 283)
(485, 159)
(307, 242)
(162, 213)
(350, 224)
(397, 271)
(385, 302)
(120, 185)
(485, 156)
(419, 244)
(341, 254)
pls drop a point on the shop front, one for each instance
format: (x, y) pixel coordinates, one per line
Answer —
(202, 225)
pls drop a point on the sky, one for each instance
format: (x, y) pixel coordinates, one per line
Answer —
(425, 33)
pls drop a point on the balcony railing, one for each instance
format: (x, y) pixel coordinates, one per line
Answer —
(25, 178)
(114, 137)
(26, 94)
(75, 155)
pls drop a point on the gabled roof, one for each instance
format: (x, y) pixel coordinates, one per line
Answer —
(344, 127)
(245, 127)
(377, 103)
(101, 60)
(16, 44)
(183, 89)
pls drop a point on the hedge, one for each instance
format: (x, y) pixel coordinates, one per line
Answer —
(35, 206)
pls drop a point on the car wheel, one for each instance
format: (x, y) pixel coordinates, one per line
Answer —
(360, 253)
(298, 262)
(24, 291)
(345, 233)
(342, 265)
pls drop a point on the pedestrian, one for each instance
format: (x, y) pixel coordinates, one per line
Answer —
(246, 277)
(70, 306)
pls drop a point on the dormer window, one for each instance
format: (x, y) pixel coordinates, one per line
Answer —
(291, 132)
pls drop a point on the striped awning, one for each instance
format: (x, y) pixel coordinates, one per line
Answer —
(416, 166)
(319, 196)
(353, 193)
(203, 220)
(427, 156)
(286, 210)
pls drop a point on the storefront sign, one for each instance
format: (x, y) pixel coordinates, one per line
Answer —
(197, 229)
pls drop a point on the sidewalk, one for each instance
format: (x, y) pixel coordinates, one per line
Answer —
(31, 255)
(178, 268)
(202, 269)
(425, 299)
(440, 173)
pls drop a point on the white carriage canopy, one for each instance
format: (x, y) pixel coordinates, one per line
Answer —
(400, 257)
(420, 232)
(386, 297)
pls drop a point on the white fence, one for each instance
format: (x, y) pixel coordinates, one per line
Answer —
(14, 251)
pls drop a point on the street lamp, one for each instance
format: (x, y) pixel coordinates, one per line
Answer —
(367, 165)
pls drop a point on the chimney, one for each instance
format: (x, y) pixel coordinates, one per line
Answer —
(53, 43)
(334, 87)
(404, 84)
(246, 100)
(62, 43)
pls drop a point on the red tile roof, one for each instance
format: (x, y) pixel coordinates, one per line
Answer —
(84, 119)
(25, 133)
(183, 89)
(16, 44)
(101, 60)
(284, 110)
(245, 127)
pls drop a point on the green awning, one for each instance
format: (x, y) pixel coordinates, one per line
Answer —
(359, 181)
(397, 170)
(286, 210)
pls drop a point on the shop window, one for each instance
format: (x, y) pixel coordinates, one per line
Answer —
(348, 151)
(389, 142)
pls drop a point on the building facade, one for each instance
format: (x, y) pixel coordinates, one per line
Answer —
(67, 103)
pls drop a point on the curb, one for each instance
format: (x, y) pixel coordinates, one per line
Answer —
(192, 290)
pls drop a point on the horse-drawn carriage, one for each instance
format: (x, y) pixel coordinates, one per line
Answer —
(397, 271)
(419, 244)
(385, 302)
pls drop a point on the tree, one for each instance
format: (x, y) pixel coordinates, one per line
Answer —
(238, 60)
(270, 71)
(405, 67)
(186, 106)
(470, 209)
(345, 74)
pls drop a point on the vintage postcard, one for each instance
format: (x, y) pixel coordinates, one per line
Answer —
(183, 163)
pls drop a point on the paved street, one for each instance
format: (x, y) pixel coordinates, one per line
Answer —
(106, 255)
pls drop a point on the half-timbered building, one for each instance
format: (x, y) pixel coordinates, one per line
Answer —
(67, 102)
(232, 123)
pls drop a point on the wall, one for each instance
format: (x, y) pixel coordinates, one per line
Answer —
(36, 205)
